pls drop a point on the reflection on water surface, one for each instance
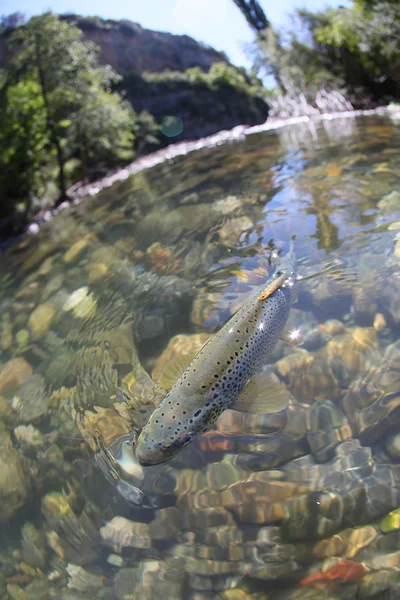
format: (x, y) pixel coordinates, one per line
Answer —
(303, 503)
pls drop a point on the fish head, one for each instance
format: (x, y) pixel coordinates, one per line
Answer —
(175, 423)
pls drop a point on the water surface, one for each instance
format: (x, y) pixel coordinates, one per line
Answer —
(111, 292)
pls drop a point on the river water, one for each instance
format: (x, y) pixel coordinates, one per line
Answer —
(107, 302)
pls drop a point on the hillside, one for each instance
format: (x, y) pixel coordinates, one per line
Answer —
(203, 105)
(130, 48)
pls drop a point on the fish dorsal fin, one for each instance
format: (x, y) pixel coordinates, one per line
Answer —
(177, 362)
(174, 369)
(273, 286)
(264, 393)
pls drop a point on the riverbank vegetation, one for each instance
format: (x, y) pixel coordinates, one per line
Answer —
(65, 118)
(354, 51)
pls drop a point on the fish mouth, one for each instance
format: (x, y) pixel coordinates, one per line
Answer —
(149, 455)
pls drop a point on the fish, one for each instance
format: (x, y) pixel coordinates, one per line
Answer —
(227, 372)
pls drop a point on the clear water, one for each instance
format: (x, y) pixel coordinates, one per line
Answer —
(297, 504)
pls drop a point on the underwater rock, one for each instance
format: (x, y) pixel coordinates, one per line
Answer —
(82, 580)
(81, 303)
(31, 402)
(379, 322)
(38, 589)
(344, 571)
(371, 402)
(46, 267)
(150, 579)
(392, 445)
(167, 523)
(315, 376)
(14, 373)
(315, 515)
(358, 539)
(236, 594)
(53, 286)
(40, 320)
(296, 360)
(161, 259)
(221, 536)
(53, 468)
(383, 584)
(358, 491)
(260, 453)
(223, 474)
(34, 548)
(210, 567)
(71, 537)
(122, 533)
(331, 298)
(328, 427)
(96, 271)
(102, 425)
(315, 339)
(333, 327)
(259, 499)
(391, 522)
(233, 229)
(15, 592)
(6, 331)
(28, 437)
(76, 250)
(205, 311)
(202, 583)
(22, 338)
(333, 546)
(160, 227)
(6, 412)
(14, 480)
(390, 203)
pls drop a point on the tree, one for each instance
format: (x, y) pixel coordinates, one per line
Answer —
(367, 36)
(11, 21)
(72, 84)
(23, 144)
(355, 50)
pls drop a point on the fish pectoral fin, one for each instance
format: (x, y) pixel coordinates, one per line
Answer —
(264, 393)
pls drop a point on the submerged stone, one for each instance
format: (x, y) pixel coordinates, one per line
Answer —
(14, 373)
(14, 479)
(40, 320)
(122, 533)
(391, 521)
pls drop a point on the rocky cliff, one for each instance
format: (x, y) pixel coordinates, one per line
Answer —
(130, 48)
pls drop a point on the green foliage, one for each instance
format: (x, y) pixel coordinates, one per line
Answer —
(100, 130)
(355, 49)
(82, 115)
(9, 22)
(146, 132)
(370, 33)
(23, 144)
(220, 75)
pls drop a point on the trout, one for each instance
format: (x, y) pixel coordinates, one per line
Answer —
(226, 372)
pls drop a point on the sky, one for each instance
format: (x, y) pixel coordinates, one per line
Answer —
(218, 23)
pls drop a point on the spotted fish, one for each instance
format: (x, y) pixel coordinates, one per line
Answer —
(226, 372)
